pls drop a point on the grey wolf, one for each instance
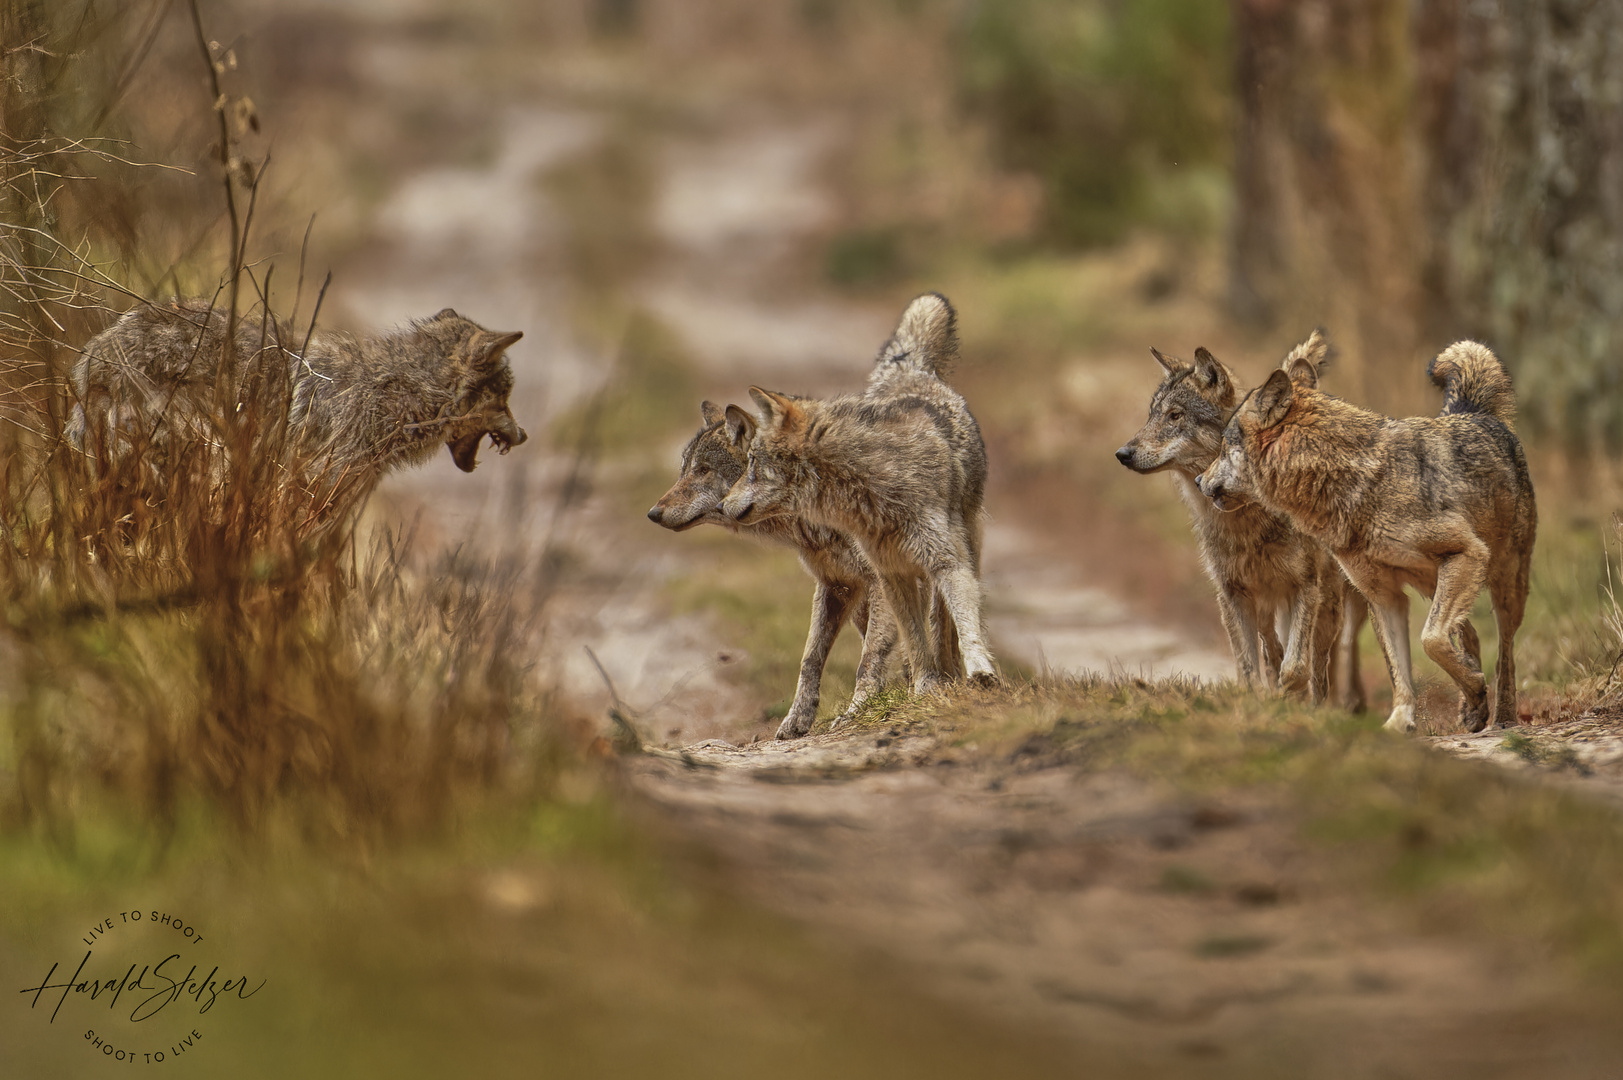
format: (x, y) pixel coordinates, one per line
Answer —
(1267, 574)
(901, 468)
(1442, 503)
(355, 408)
(712, 462)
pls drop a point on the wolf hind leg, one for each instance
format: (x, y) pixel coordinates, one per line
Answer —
(879, 639)
(1459, 580)
(830, 606)
(1509, 602)
(961, 592)
(944, 633)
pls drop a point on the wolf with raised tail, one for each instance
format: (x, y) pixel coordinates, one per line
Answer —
(1266, 573)
(900, 468)
(846, 589)
(1443, 503)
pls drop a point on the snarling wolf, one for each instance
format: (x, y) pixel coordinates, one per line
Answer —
(846, 587)
(354, 409)
(1267, 574)
(1442, 503)
(901, 468)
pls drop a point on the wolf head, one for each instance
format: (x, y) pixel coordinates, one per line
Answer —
(1187, 415)
(712, 462)
(776, 480)
(1231, 479)
(480, 380)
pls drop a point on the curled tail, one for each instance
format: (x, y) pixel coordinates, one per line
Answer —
(1307, 361)
(926, 338)
(1473, 380)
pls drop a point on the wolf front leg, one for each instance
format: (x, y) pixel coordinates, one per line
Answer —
(1296, 670)
(1389, 614)
(830, 606)
(906, 603)
(879, 636)
(1240, 623)
(1327, 634)
(1349, 678)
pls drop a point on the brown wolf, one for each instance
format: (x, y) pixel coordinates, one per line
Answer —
(1442, 503)
(902, 469)
(846, 586)
(355, 409)
(1267, 574)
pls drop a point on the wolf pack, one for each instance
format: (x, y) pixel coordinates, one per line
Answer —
(1310, 513)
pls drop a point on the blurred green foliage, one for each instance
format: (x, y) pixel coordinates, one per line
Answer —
(1120, 108)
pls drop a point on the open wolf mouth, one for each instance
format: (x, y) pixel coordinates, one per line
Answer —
(465, 451)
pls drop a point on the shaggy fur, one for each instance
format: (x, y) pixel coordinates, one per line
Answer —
(1266, 573)
(355, 409)
(902, 470)
(846, 586)
(1443, 503)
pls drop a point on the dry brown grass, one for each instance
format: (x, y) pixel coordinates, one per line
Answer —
(188, 629)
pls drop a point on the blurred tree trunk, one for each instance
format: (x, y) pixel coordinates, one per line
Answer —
(1521, 107)
(1413, 171)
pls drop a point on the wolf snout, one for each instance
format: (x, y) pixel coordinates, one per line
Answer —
(1125, 456)
(507, 434)
(656, 514)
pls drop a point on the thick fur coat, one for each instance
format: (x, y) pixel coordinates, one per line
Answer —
(901, 468)
(712, 462)
(1444, 504)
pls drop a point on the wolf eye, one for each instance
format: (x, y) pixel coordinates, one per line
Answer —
(1174, 414)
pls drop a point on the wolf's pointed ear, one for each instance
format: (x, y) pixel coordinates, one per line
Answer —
(1302, 373)
(710, 411)
(445, 313)
(1167, 363)
(1273, 398)
(740, 425)
(491, 349)
(1209, 372)
(777, 411)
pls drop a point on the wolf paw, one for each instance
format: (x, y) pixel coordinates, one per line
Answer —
(1474, 717)
(794, 726)
(928, 683)
(1401, 720)
(986, 680)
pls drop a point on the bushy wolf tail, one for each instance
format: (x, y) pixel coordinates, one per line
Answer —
(1307, 361)
(926, 338)
(1473, 380)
